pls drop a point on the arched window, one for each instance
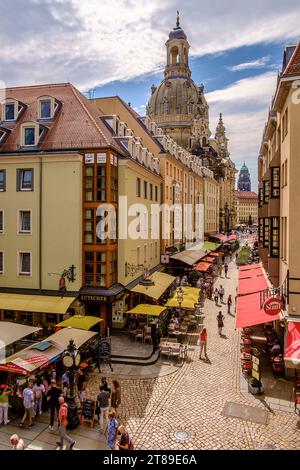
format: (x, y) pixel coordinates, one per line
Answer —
(204, 141)
(174, 56)
(190, 108)
(165, 107)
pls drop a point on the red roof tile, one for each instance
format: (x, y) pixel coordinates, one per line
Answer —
(293, 67)
(76, 125)
(246, 195)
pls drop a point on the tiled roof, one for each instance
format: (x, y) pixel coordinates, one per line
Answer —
(293, 67)
(76, 125)
(246, 195)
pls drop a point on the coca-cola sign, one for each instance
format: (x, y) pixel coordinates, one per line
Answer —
(273, 306)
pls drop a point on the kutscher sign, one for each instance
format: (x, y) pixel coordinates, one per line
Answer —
(273, 306)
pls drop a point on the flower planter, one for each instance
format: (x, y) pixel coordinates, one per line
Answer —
(255, 390)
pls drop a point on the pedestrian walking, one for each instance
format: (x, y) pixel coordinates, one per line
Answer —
(28, 402)
(226, 269)
(111, 430)
(221, 293)
(38, 390)
(17, 442)
(5, 391)
(220, 321)
(53, 400)
(203, 342)
(116, 396)
(63, 421)
(220, 269)
(216, 296)
(103, 407)
(124, 441)
(229, 303)
(223, 258)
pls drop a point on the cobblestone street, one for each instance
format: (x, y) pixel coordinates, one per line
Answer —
(193, 398)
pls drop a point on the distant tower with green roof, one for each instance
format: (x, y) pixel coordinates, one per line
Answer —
(244, 181)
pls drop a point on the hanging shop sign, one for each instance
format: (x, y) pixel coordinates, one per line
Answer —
(273, 306)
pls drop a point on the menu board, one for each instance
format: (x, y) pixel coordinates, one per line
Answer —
(88, 410)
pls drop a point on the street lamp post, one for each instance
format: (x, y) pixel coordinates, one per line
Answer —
(180, 298)
(71, 360)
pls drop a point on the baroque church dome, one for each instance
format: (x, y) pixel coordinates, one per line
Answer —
(177, 102)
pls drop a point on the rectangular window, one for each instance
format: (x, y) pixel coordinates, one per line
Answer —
(266, 233)
(1, 262)
(261, 197)
(156, 194)
(275, 182)
(1, 221)
(25, 180)
(266, 191)
(24, 221)
(9, 112)
(138, 187)
(2, 180)
(29, 136)
(145, 254)
(45, 109)
(95, 268)
(101, 184)
(274, 248)
(151, 251)
(89, 183)
(145, 189)
(24, 264)
(151, 192)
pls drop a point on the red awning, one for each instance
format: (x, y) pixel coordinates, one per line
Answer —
(13, 369)
(220, 236)
(250, 273)
(232, 237)
(208, 259)
(203, 267)
(249, 312)
(249, 267)
(252, 285)
(292, 348)
(214, 254)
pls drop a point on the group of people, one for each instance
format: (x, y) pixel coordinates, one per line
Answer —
(219, 296)
(107, 412)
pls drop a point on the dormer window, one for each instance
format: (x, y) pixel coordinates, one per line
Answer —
(4, 133)
(11, 110)
(32, 134)
(47, 107)
(29, 136)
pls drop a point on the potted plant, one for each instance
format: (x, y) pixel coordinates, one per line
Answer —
(255, 386)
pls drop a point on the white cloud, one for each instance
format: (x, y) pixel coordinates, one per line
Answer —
(95, 42)
(244, 106)
(255, 64)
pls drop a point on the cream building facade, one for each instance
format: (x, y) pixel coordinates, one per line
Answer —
(279, 192)
(246, 207)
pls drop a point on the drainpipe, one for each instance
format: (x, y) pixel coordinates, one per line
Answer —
(40, 223)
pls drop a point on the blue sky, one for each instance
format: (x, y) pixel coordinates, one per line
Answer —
(117, 47)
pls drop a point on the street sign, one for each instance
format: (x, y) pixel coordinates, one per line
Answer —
(273, 306)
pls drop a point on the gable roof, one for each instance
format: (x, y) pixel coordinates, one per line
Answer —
(246, 195)
(293, 65)
(76, 125)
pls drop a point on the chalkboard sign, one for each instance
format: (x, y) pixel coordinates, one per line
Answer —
(88, 411)
(105, 352)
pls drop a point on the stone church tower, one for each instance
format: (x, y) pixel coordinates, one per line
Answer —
(178, 105)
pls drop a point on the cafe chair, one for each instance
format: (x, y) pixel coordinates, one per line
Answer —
(139, 334)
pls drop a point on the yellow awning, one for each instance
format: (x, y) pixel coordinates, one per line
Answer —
(80, 322)
(161, 280)
(190, 298)
(35, 303)
(146, 309)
